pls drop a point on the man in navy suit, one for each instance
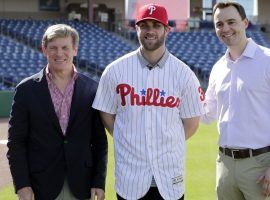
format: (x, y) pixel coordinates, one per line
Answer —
(57, 143)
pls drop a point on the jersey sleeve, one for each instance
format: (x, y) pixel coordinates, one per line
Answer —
(105, 99)
(192, 98)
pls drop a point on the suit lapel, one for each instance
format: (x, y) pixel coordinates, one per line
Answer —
(79, 89)
(42, 91)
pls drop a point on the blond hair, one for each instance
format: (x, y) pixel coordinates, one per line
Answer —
(60, 31)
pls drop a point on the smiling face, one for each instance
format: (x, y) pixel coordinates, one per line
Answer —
(59, 53)
(230, 27)
(151, 34)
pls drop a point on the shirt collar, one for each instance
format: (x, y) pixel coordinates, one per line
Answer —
(50, 75)
(160, 63)
(250, 49)
(248, 52)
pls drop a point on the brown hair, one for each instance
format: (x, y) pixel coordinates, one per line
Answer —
(226, 4)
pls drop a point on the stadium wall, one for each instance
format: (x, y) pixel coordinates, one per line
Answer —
(17, 9)
(27, 9)
(178, 10)
(118, 5)
(5, 103)
(263, 10)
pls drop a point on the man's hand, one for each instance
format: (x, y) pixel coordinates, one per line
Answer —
(25, 193)
(108, 121)
(97, 194)
(265, 181)
(190, 126)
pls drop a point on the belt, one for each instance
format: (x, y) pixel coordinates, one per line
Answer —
(243, 153)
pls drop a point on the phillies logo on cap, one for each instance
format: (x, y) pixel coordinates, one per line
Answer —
(151, 8)
(152, 12)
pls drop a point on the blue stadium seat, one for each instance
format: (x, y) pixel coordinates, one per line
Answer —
(97, 47)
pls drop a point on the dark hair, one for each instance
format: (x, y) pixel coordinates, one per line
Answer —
(238, 7)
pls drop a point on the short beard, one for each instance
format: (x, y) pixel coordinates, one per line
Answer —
(153, 47)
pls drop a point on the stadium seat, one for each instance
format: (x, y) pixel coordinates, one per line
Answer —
(97, 47)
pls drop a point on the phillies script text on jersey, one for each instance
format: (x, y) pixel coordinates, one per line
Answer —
(149, 97)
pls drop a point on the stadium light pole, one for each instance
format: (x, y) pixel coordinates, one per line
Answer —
(90, 11)
(4, 9)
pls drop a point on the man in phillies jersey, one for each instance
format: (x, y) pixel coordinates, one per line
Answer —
(238, 96)
(150, 102)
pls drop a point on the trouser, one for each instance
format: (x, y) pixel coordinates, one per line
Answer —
(236, 179)
(66, 194)
(152, 194)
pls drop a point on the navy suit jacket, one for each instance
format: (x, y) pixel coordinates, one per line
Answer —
(40, 156)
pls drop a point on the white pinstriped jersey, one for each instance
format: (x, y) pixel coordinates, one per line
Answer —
(148, 134)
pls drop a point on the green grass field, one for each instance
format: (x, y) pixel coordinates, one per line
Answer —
(200, 180)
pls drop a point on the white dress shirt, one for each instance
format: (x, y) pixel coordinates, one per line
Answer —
(149, 139)
(238, 97)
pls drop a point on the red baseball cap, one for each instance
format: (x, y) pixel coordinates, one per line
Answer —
(153, 11)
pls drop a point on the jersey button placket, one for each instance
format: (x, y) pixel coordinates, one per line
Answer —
(148, 121)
